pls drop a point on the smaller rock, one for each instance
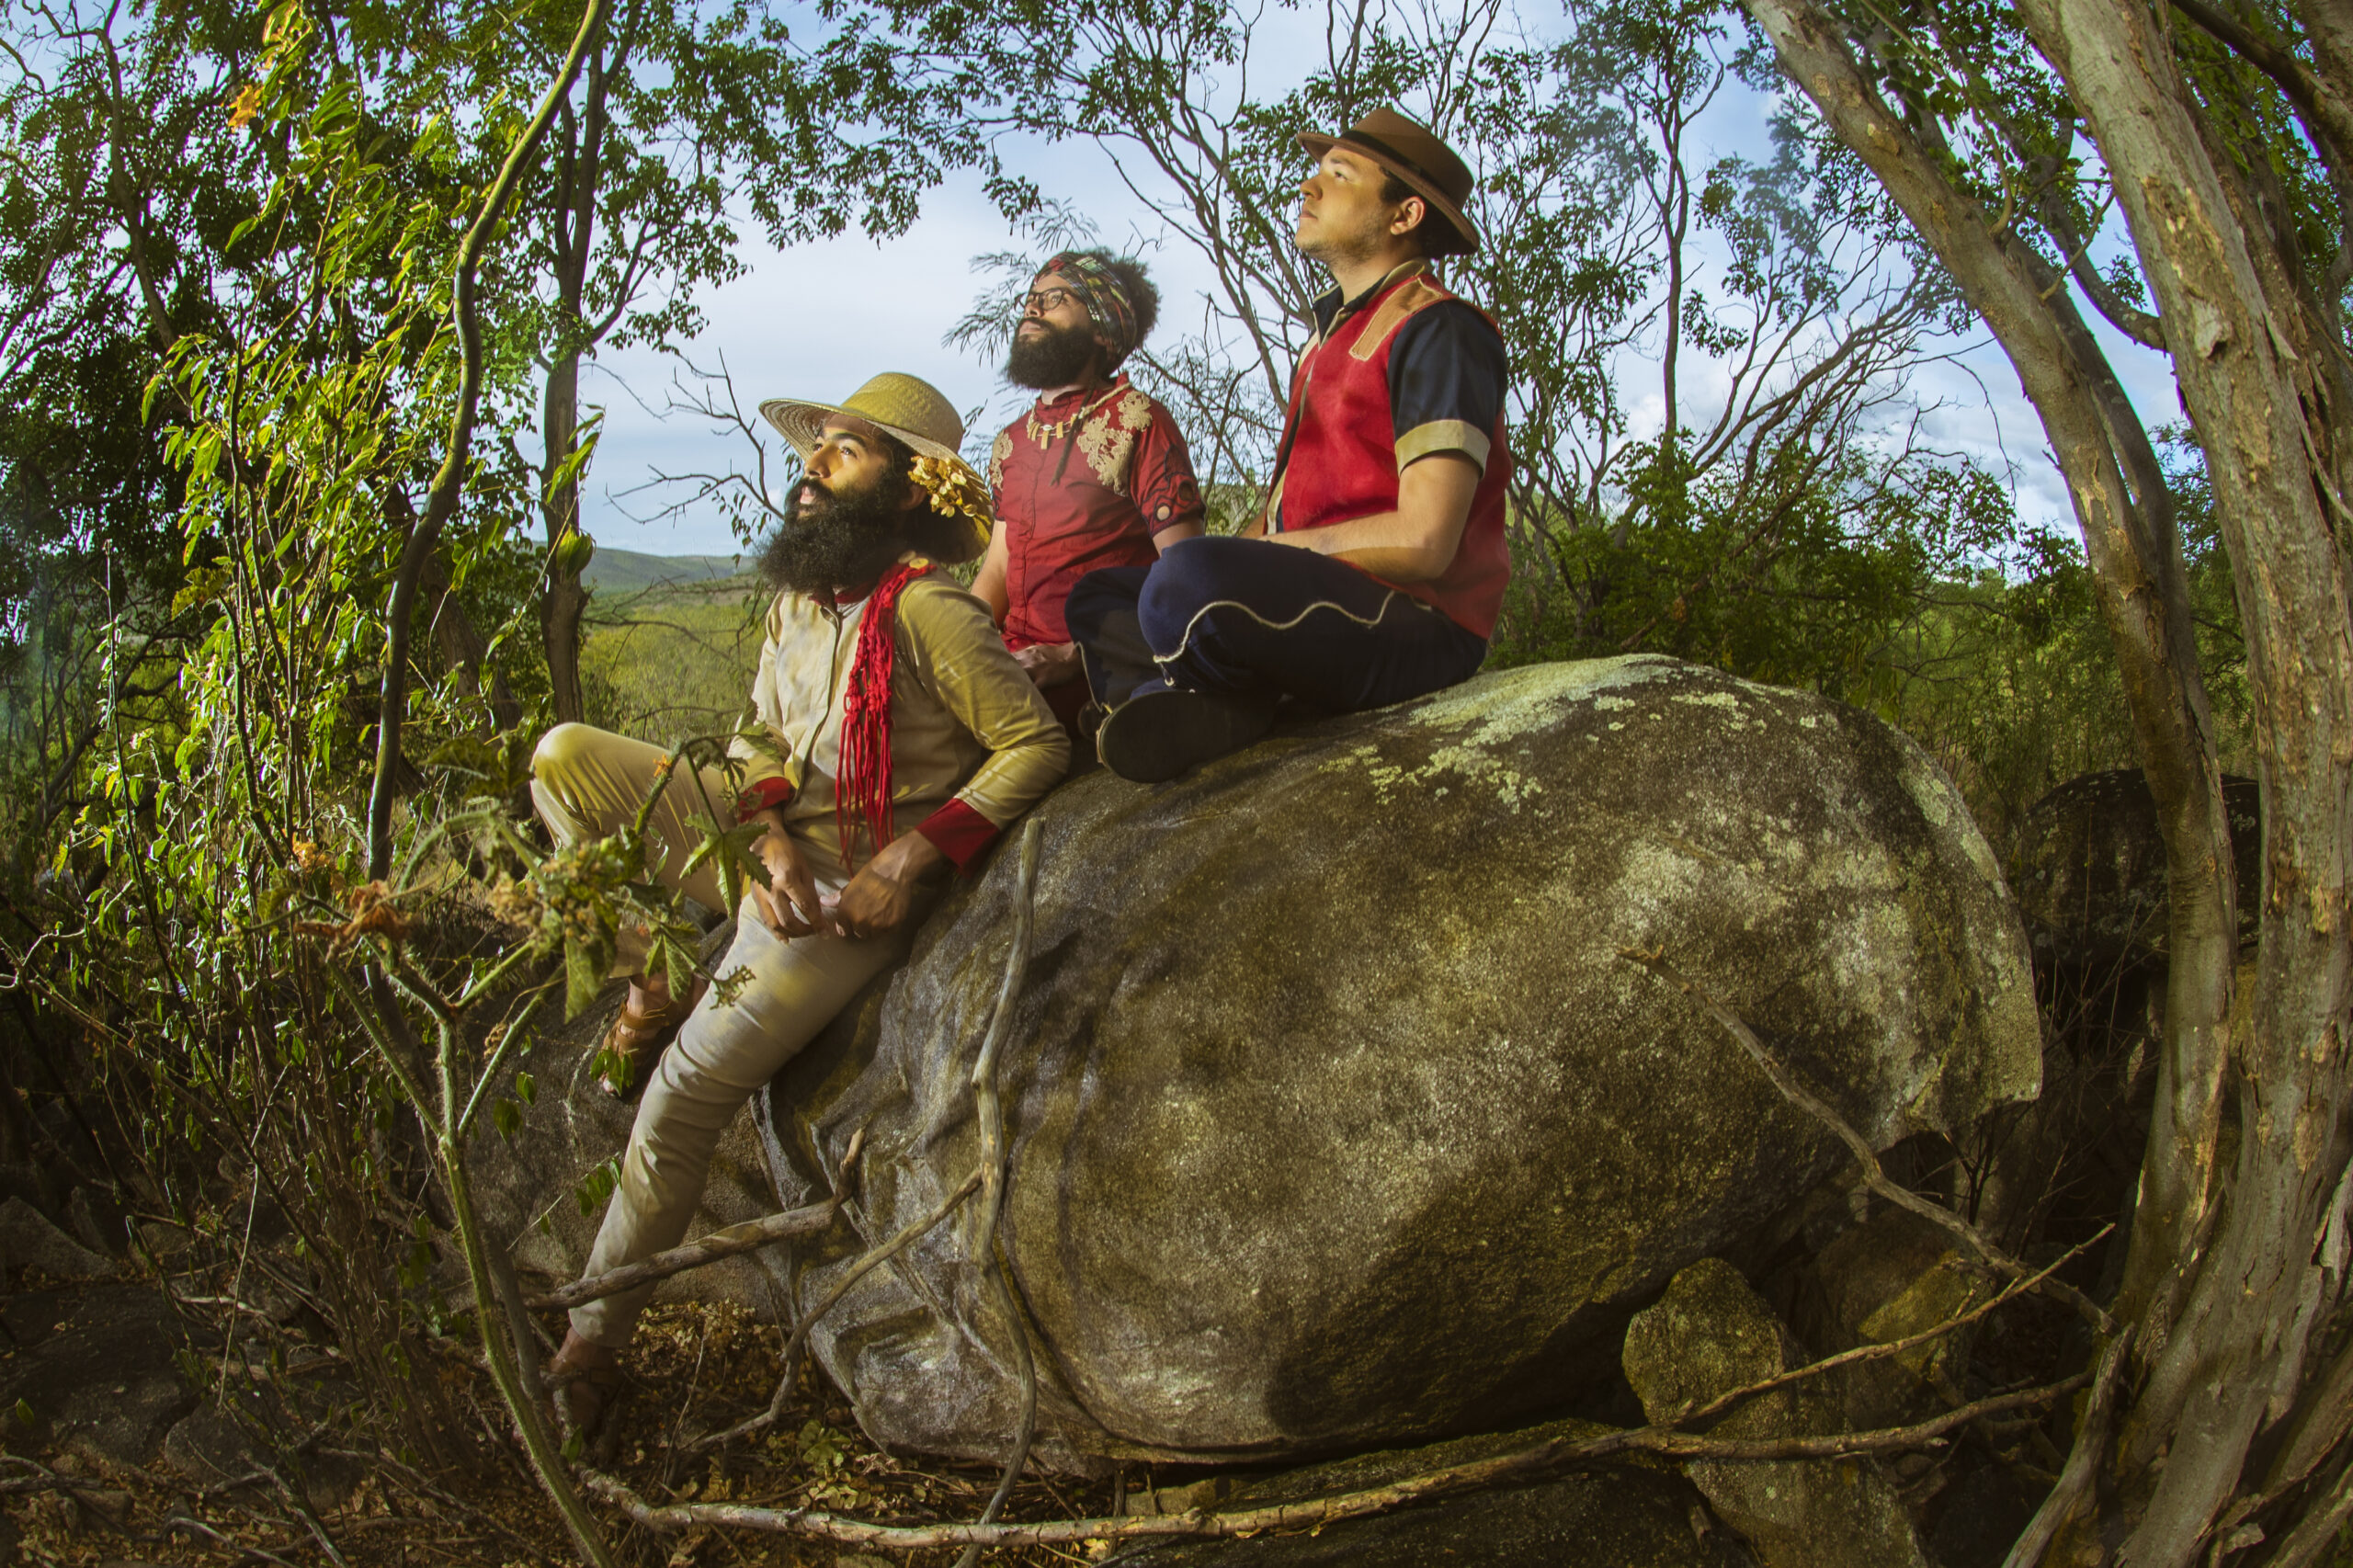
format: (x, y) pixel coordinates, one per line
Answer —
(102, 1381)
(2088, 866)
(209, 1447)
(95, 1221)
(119, 1426)
(212, 1445)
(161, 1240)
(1711, 1334)
(1889, 1278)
(32, 1241)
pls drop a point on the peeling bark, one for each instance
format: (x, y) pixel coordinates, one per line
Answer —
(2226, 1296)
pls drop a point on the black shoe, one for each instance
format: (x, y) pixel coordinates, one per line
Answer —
(1155, 735)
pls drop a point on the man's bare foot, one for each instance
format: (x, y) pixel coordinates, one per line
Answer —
(584, 1378)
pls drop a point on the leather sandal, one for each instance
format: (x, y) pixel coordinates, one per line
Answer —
(639, 1035)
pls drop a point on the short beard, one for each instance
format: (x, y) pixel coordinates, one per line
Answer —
(846, 539)
(1058, 356)
(1338, 250)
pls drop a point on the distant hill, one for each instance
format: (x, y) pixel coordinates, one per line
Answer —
(628, 572)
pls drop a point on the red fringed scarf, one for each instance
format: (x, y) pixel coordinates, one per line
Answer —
(863, 792)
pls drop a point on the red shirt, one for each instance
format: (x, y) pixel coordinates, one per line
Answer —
(1081, 484)
(1403, 371)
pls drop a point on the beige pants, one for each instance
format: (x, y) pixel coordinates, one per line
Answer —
(589, 782)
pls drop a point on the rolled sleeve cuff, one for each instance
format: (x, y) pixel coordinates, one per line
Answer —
(761, 794)
(1444, 435)
(958, 832)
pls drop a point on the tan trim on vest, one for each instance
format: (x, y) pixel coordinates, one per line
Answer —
(1444, 435)
(1412, 295)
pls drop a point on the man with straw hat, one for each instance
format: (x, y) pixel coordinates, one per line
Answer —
(1376, 570)
(894, 735)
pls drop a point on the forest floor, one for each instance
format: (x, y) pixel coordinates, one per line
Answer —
(334, 1493)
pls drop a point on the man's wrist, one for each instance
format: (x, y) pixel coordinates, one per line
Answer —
(764, 799)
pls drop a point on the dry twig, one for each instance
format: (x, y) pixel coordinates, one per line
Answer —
(858, 1271)
(996, 1156)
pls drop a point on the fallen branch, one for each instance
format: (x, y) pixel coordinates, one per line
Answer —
(1892, 1347)
(1865, 1155)
(749, 1236)
(1525, 1464)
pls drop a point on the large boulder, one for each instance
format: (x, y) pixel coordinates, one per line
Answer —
(1337, 1117)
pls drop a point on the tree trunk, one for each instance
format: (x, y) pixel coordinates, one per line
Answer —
(564, 599)
(578, 164)
(2225, 1320)
(2237, 1354)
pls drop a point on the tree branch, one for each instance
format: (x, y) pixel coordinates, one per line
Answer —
(749, 1236)
(1525, 1464)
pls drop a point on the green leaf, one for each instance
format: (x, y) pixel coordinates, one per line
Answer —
(526, 1088)
(584, 976)
(507, 1116)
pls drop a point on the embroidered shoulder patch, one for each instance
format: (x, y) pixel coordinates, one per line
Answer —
(1415, 295)
(1108, 440)
(1002, 449)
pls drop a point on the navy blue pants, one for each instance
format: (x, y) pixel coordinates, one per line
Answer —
(1247, 618)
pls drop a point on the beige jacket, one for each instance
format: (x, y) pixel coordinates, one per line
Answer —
(967, 724)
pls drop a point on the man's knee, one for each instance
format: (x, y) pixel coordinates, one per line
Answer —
(1189, 578)
(562, 753)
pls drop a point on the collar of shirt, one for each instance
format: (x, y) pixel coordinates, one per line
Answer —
(1330, 312)
(1047, 405)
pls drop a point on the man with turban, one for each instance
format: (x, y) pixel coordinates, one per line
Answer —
(1380, 559)
(895, 736)
(1094, 475)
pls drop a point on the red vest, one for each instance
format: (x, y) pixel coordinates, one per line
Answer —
(1341, 454)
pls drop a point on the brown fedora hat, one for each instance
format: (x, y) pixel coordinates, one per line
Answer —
(1406, 148)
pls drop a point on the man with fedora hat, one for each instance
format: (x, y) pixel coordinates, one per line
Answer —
(1376, 570)
(893, 735)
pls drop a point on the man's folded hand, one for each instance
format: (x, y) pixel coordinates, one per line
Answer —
(788, 905)
(879, 899)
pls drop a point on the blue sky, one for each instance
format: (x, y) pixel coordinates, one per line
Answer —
(817, 320)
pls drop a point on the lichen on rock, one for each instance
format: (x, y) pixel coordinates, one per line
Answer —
(1338, 1119)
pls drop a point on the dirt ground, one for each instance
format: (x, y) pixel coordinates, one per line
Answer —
(339, 1495)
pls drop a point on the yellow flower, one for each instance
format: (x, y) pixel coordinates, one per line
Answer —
(955, 491)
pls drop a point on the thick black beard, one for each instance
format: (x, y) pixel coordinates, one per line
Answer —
(844, 539)
(1058, 356)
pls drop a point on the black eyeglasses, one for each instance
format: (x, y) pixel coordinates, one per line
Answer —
(1037, 301)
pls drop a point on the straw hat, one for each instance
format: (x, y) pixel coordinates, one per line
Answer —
(1406, 148)
(916, 413)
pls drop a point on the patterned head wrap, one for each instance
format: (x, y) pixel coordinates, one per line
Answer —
(1107, 305)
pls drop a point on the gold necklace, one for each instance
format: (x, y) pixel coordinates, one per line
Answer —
(1042, 432)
